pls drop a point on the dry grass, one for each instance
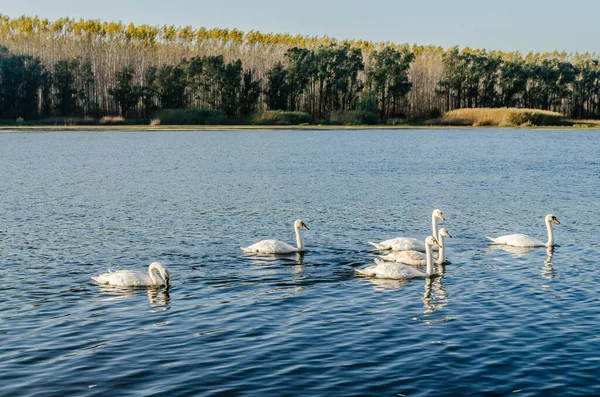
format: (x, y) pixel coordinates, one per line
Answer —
(111, 120)
(501, 117)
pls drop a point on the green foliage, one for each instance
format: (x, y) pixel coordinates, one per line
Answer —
(301, 68)
(63, 83)
(230, 87)
(149, 91)
(190, 116)
(278, 90)
(387, 77)
(353, 117)
(249, 94)
(20, 79)
(280, 117)
(170, 87)
(125, 94)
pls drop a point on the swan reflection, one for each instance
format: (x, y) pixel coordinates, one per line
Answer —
(547, 270)
(159, 297)
(271, 265)
(516, 251)
(435, 296)
(387, 284)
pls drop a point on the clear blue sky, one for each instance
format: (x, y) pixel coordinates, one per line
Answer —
(523, 25)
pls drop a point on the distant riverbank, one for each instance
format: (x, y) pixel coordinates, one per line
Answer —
(147, 128)
(198, 119)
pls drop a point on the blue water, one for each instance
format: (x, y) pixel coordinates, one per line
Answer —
(497, 321)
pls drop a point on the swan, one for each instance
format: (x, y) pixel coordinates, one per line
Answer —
(130, 278)
(409, 243)
(523, 240)
(276, 246)
(393, 270)
(417, 258)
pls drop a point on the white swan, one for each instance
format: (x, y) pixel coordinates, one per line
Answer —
(523, 240)
(409, 243)
(130, 278)
(417, 258)
(394, 270)
(276, 246)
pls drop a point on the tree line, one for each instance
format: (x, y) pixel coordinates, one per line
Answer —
(317, 81)
(89, 68)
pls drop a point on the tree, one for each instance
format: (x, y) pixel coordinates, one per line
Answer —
(277, 91)
(21, 80)
(230, 87)
(387, 77)
(170, 83)
(63, 83)
(249, 94)
(299, 72)
(125, 94)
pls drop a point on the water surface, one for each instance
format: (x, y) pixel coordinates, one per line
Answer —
(497, 321)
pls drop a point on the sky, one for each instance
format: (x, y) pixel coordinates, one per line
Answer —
(508, 25)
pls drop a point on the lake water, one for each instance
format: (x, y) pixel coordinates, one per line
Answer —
(497, 322)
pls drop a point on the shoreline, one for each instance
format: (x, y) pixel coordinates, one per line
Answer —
(147, 128)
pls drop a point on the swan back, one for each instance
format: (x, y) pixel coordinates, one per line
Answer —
(390, 270)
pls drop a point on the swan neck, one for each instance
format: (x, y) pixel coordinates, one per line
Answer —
(152, 270)
(550, 242)
(441, 250)
(299, 239)
(428, 257)
(434, 226)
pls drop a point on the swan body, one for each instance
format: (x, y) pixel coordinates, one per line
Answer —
(276, 246)
(400, 244)
(409, 243)
(130, 278)
(416, 258)
(398, 271)
(523, 240)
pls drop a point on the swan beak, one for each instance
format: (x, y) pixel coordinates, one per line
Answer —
(442, 217)
(449, 235)
(304, 226)
(555, 220)
(435, 242)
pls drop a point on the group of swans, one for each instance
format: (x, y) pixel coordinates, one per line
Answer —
(405, 251)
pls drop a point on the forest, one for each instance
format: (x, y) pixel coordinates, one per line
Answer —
(91, 69)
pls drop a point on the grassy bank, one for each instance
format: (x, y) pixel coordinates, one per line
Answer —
(201, 119)
(500, 117)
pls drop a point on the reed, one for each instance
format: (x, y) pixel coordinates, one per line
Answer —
(509, 117)
(280, 117)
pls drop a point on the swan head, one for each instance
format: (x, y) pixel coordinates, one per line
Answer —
(444, 232)
(164, 273)
(299, 224)
(431, 241)
(551, 218)
(437, 213)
